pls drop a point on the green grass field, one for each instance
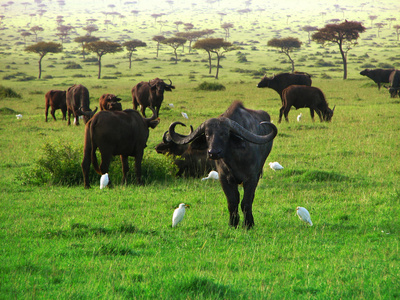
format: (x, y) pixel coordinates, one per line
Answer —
(60, 241)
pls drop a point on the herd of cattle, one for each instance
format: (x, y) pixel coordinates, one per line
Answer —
(236, 144)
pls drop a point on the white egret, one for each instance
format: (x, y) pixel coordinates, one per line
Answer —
(275, 166)
(185, 115)
(303, 214)
(211, 175)
(104, 180)
(171, 105)
(178, 215)
(299, 117)
(19, 116)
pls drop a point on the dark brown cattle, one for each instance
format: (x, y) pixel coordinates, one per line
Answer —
(78, 104)
(150, 94)
(301, 96)
(190, 162)
(394, 80)
(56, 100)
(110, 102)
(122, 133)
(378, 75)
(239, 141)
(281, 81)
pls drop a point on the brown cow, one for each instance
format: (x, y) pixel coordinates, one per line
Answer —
(150, 94)
(110, 102)
(56, 99)
(78, 104)
(301, 96)
(122, 133)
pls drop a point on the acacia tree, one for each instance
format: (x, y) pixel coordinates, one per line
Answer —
(227, 27)
(35, 30)
(397, 28)
(190, 36)
(309, 29)
(90, 28)
(214, 45)
(101, 48)
(158, 39)
(42, 48)
(84, 40)
(25, 34)
(63, 32)
(286, 45)
(345, 35)
(174, 42)
(131, 47)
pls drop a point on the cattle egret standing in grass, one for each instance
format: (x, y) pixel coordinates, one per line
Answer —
(299, 117)
(211, 175)
(104, 180)
(19, 117)
(178, 215)
(171, 105)
(303, 214)
(185, 115)
(275, 166)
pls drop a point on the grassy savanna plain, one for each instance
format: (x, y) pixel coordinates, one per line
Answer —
(59, 240)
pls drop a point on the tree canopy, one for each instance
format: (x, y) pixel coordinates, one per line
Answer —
(286, 45)
(131, 47)
(345, 35)
(42, 48)
(84, 40)
(214, 45)
(174, 42)
(101, 48)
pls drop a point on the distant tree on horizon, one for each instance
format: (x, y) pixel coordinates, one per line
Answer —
(397, 29)
(84, 40)
(101, 48)
(227, 27)
(42, 48)
(309, 29)
(174, 43)
(131, 47)
(158, 39)
(345, 35)
(36, 30)
(286, 46)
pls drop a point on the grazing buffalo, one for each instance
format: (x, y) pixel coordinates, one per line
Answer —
(301, 96)
(378, 75)
(394, 80)
(56, 100)
(239, 141)
(122, 133)
(110, 102)
(191, 162)
(150, 94)
(78, 104)
(281, 81)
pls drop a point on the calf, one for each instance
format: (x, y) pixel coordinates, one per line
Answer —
(394, 80)
(56, 100)
(110, 102)
(301, 96)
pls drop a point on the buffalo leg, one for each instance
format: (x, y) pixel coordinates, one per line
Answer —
(125, 167)
(281, 113)
(138, 167)
(46, 112)
(53, 111)
(233, 197)
(312, 114)
(249, 188)
(286, 113)
(64, 113)
(319, 113)
(69, 116)
(86, 166)
(143, 110)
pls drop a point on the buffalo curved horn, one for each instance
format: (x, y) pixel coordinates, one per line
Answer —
(184, 139)
(153, 117)
(333, 108)
(251, 137)
(87, 113)
(164, 137)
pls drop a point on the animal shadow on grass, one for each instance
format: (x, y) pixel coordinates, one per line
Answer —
(204, 286)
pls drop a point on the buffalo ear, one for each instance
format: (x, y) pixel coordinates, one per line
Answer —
(200, 143)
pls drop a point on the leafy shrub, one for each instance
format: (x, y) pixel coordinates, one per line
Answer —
(78, 76)
(210, 86)
(368, 66)
(26, 78)
(7, 111)
(48, 77)
(60, 164)
(385, 66)
(6, 92)
(73, 66)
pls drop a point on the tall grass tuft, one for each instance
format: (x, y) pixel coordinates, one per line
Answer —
(6, 92)
(210, 86)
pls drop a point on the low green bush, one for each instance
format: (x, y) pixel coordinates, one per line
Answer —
(210, 86)
(6, 92)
